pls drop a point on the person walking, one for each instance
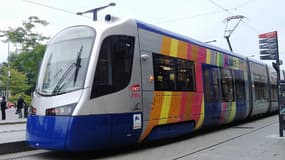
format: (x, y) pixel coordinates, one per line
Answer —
(26, 110)
(20, 106)
(3, 107)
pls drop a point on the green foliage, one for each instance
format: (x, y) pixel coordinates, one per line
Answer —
(12, 57)
(29, 63)
(26, 61)
(24, 34)
(18, 81)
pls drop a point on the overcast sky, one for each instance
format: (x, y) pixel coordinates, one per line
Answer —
(200, 19)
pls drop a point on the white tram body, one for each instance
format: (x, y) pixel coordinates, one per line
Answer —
(121, 82)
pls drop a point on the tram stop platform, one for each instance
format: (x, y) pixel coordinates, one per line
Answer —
(257, 139)
(12, 133)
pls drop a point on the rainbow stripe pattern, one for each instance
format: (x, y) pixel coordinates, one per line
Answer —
(174, 107)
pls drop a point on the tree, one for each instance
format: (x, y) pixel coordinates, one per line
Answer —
(17, 83)
(24, 35)
(27, 58)
(29, 63)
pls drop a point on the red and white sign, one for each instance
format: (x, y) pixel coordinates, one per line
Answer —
(268, 45)
(135, 88)
(268, 35)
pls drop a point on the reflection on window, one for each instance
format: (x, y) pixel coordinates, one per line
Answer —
(227, 85)
(219, 82)
(66, 61)
(274, 92)
(105, 65)
(260, 87)
(240, 85)
(211, 84)
(172, 74)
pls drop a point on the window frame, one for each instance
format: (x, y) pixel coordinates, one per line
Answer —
(240, 85)
(213, 82)
(116, 80)
(172, 74)
(226, 80)
(261, 87)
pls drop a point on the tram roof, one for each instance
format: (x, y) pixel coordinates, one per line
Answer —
(165, 32)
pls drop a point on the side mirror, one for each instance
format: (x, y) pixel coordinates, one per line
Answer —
(145, 57)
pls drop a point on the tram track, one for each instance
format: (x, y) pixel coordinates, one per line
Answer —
(200, 143)
(224, 141)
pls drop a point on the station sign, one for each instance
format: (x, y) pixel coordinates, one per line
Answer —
(268, 46)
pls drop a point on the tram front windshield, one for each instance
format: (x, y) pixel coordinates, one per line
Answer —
(66, 60)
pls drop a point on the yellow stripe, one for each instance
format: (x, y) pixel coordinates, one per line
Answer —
(218, 59)
(165, 45)
(166, 102)
(174, 47)
(208, 60)
(202, 116)
(233, 112)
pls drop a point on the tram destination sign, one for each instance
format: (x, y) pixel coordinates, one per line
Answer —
(268, 46)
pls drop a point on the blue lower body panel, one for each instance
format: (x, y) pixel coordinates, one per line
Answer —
(81, 133)
(47, 131)
(212, 114)
(171, 130)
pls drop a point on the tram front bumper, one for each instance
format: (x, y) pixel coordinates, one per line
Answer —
(68, 133)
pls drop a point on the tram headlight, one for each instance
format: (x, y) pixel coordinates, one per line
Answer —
(33, 110)
(66, 110)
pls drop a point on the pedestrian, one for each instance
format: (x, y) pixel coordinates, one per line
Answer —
(3, 107)
(20, 106)
(26, 110)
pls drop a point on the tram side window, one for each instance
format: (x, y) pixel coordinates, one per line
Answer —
(260, 87)
(211, 84)
(172, 74)
(240, 85)
(261, 91)
(185, 75)
(114, 66)
(227, 85)
(274, 94)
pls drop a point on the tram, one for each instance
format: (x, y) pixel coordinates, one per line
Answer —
(123, 81)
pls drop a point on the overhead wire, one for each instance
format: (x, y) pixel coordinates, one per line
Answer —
(190, 17)
(244, 4)
(226, 10)
(54, 8)
(215, 12)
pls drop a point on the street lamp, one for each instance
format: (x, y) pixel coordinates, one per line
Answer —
(8, 65)
(95, 10)
(9, 73)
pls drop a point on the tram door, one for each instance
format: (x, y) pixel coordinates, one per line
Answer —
(119, 81)
(282, 109)
(240, 94)
(127, 128)
(212, 94)
(147, 83)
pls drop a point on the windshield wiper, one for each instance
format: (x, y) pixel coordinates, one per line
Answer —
(76, 64)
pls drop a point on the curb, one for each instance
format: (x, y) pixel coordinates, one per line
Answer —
(13, 147)
(12, 122)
